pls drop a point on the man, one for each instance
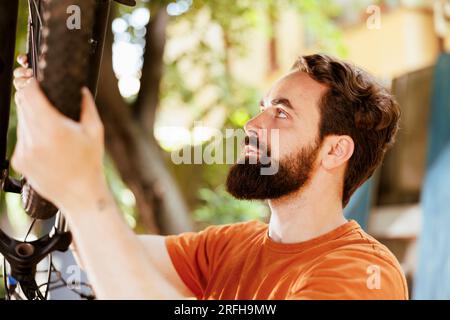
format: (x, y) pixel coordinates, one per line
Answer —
(334, 124)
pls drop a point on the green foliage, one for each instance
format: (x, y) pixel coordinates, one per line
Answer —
(123, 196)
(210, 61)
(320, 28)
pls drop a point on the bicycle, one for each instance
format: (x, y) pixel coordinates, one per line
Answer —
(63, 60)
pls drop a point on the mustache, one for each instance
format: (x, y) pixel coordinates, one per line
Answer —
(254, 141)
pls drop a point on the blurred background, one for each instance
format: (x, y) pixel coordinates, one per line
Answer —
(172, 70)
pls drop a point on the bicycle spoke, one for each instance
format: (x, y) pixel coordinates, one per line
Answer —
(29, 230)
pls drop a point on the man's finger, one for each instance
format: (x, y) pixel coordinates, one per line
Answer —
(90, 118)
(20, 83)
(36, 103)
(22, 59)
(23, 72)
(23, 126)
(16, 159)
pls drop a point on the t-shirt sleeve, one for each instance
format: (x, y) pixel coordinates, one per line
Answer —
(196, 254)
(352, 276)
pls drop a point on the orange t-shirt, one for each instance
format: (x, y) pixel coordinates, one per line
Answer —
(240, 261)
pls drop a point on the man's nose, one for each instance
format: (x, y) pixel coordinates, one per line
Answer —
(253, 126)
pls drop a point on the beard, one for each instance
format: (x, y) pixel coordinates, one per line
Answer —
(245, 180)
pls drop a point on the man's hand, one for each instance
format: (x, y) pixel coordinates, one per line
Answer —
(61, 158)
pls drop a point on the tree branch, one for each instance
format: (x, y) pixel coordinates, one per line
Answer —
(148, 98)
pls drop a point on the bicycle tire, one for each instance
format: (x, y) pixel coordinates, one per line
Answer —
(62, 70)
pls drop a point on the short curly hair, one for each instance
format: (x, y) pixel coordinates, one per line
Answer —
(356, 105)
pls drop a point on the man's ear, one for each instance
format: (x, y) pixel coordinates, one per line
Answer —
(337, 150)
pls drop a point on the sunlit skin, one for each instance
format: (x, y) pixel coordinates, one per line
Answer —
(291, 111)
(142, 263)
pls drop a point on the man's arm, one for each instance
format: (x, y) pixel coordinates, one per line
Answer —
(120, 265)
(156, 249)
(117, 262)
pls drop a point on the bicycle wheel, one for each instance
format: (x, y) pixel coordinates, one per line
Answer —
(62, 44)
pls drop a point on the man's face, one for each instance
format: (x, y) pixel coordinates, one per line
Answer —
(284, 135)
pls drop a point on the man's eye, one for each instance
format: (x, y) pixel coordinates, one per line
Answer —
(281, 114)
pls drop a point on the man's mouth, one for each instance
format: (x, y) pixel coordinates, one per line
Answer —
(254, 148)
(251, 150)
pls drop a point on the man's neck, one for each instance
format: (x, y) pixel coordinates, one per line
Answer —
(306, 214)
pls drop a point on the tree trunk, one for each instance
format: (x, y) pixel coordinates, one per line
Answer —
(132, 145)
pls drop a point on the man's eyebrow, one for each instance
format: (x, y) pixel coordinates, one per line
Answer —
(283, 101)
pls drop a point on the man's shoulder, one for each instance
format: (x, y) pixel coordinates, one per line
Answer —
(363, 244)
(359, 255)
(358, 262)
(358, 246)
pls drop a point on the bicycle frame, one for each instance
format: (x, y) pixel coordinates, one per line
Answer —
(24, 256)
